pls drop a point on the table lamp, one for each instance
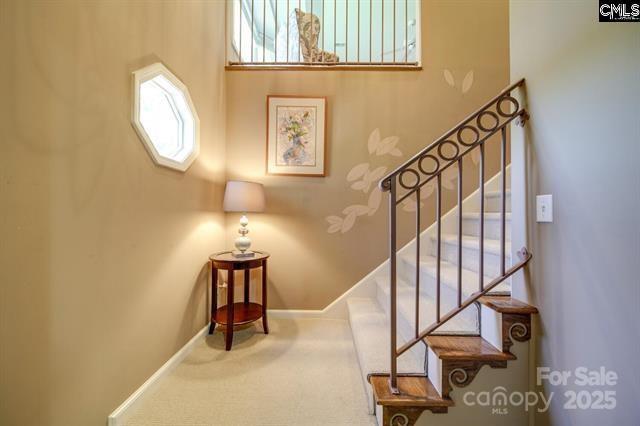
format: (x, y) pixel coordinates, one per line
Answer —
(243, 197)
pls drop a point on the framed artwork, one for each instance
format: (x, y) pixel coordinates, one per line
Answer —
(296, 135)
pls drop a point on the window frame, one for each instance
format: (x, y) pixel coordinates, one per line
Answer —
(148, 73)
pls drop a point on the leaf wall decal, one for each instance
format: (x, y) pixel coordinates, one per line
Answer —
(467, 82)
(334, 228)
(335, 224)
(358, 209)
(475, 156)
(410, 205)
(357, 171)
(387, 145)
(360, 185)
(364, 179)
(334, 219)
(374, 201)
(374, 141)
(449, 176)
(427, 190)
(448, 77)
(348, 223)
(376, 174)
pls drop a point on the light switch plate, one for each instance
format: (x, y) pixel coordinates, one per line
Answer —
(544, 208)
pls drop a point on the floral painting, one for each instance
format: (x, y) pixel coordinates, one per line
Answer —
(296, 135)
(296, 138)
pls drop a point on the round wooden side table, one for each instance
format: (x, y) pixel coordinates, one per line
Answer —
(240, 312)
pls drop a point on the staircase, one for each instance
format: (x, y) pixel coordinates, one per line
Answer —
(443, 308)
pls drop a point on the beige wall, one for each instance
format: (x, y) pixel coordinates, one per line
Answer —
(583, 88)
(102, 254)
(102, 273)
(310, 267)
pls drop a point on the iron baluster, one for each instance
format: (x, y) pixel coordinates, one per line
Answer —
(393, 383)
(481, 243)
(417, 262)
(459, 231)
(240, 27)
(438, 242)
(503, 177)
(394, 31)
(252, 31)
(406, 32)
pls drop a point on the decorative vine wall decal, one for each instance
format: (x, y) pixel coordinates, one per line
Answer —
(364, 177)
(344, 224)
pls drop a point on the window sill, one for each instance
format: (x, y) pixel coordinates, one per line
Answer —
(323, 67)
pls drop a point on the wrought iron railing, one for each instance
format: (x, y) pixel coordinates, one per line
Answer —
(323, 33)
(429, 164)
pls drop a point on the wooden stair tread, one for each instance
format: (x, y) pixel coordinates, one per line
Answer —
(507, 305)
(415, 391)
(466, 348)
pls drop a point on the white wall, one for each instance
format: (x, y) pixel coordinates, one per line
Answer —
(583, 88)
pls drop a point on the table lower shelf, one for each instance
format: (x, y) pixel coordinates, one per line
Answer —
(243, 313)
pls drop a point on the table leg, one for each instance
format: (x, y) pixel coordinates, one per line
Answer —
(229, 335)
(246, 285)
(265, 325)
(214, 298)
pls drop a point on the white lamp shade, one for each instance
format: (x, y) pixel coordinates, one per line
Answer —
(241, 196)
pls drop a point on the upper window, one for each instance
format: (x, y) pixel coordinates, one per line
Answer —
(165, 117)
(323, 33)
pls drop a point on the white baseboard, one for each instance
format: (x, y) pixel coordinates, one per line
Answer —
(116, 418)
(295, 313)
(338, 308)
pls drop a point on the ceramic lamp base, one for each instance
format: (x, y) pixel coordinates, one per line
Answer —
(241, 254)
(243, 242)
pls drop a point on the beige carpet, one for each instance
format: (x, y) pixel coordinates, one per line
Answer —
(304, 372)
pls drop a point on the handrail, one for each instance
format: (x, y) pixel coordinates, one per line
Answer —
(442, 138)
(399, 190)
(519, 114)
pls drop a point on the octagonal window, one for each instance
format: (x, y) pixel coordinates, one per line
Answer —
(164, 117)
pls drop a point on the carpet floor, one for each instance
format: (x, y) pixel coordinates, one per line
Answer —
(305, 372)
